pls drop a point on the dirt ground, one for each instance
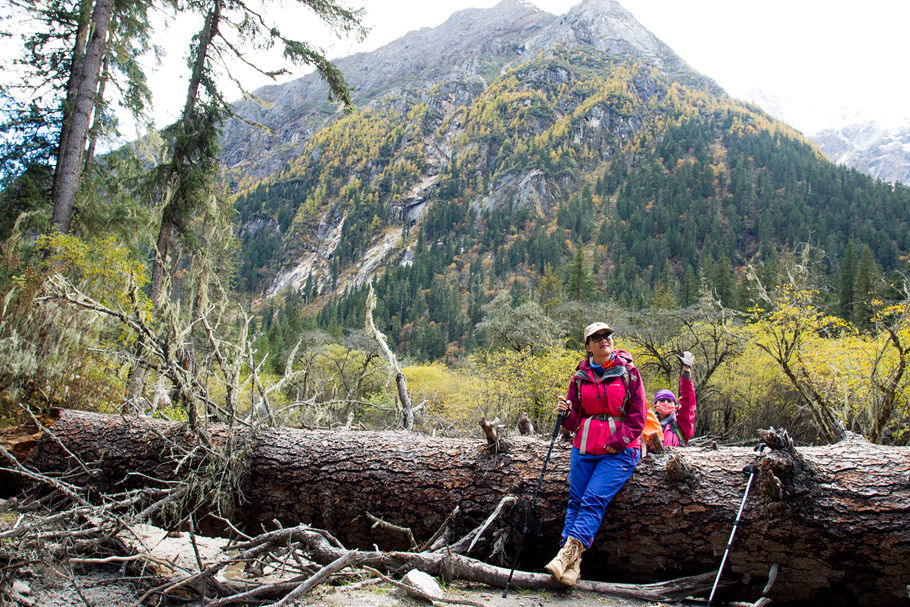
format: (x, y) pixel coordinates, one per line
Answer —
(479, 595)
(105, 587)
(53, 587)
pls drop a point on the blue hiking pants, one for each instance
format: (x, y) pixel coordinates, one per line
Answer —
(593, 481)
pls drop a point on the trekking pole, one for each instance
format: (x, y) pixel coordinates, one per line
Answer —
(751, 470)
(524, 531)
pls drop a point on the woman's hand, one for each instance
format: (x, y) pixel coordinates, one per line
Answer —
(687, 359)
(563, 405)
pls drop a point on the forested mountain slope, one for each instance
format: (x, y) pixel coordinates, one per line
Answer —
(511, 150)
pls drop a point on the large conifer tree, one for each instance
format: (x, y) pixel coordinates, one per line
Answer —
(865, 284)
(580, 285)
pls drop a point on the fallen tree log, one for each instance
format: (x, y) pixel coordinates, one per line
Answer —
(835, 518)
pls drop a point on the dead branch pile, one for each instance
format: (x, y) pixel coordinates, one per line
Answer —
(271, 568)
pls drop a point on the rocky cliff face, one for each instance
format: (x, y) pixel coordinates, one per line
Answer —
(871, 149)
(472, 48)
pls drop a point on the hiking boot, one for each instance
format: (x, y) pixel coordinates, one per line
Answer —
(567, 555)
(573, 571)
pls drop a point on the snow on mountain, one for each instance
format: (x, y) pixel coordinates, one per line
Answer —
(883, 153)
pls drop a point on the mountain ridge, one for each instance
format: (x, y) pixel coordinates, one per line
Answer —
(511, 166)
(479, 44)
(371, 75)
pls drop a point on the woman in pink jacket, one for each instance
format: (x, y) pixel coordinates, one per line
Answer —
(676, 417)
(606, 407)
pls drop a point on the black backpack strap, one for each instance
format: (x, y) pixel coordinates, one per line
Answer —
(679, 433)
(628, 397)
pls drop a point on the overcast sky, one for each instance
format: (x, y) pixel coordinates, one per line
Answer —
(827, 63)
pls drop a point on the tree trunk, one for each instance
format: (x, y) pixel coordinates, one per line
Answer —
(76, 125)
(98, 116)
(159, 257)
(83, 28)
(175, 190)
(175, 197)
(835, 518)
(406, 411)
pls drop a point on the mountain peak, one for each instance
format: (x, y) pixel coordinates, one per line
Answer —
(599, 6)
(505, 10)
(512, 4)
(607, 26)
(471, 47)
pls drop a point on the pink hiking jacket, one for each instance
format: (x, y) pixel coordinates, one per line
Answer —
(685, 415)
(604, 399)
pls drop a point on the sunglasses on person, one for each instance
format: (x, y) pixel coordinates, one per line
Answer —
(598, 337)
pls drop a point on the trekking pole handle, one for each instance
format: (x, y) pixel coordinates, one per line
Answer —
(559, 419)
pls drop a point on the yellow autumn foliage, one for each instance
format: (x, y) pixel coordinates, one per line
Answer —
(494, 384)
(840, 375)
(104, 269)
(63, 355)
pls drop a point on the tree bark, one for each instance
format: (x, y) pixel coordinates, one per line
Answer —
(835, 518)
(98, 115)
(70, 158)
(83, 29)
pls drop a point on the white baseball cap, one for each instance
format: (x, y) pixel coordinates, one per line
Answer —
(595, 327)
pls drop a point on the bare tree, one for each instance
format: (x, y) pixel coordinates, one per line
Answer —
(701, 329)
(406, 411)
